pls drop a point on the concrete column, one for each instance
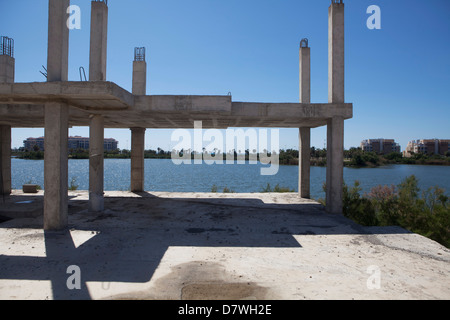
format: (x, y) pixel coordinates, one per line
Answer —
(305, 72)
(96, 147)
(99, 30)
(56, 166)
(5, 160)
(138, 134)
(7, 66)
(336, 57)
(97, 72)
(139, 77)
(58, 40)
(335, 165)
(335, 126)
(304, 156)
(56, 121)
(137, 159)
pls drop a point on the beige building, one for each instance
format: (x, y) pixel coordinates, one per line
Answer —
(427, 146)
(380, 146)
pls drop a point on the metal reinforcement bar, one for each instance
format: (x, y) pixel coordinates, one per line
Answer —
(7, 46)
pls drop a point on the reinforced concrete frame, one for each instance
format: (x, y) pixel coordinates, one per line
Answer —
(97, 103)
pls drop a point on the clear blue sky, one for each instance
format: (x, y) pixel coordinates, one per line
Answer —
(398, 78)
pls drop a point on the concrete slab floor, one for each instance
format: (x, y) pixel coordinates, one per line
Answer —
(167, 246)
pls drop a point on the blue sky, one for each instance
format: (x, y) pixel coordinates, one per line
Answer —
(398, 78)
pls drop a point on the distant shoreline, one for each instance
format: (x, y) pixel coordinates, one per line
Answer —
(354, 157)
(292, 163)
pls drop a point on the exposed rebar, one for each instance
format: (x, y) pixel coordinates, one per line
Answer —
(304, 43)
(139, 54)
(7, 46)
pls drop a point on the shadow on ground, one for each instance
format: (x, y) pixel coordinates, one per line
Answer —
(127, 241)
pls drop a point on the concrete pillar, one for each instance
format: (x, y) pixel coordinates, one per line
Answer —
(137, 159)
(7, 66)
(305, 72)
(304, 156)
(335, 164)
(56, 166)
(335, 126)
(5, 160)
(97, 72)
(58, 40)
(96, 146)
(98, 46)
(336, 59)
(56, 121)
(138, 134)
(139, 77)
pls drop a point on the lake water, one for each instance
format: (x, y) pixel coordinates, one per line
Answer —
(164, 175)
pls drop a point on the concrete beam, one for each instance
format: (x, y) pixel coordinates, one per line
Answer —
(56, 166)
(89, 95)
(183, 103)
(96, 158)
(137, 159)
(98, 46)
(5, 160)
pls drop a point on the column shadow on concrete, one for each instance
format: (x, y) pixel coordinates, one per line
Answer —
(129, 239)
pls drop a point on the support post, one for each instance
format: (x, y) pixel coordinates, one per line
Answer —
(7, 68)
(5, 160)
(56, 121)
(335, 125)
(56, 166)
(96, 157)
(97, 72)
(335, 165)
(137, 159)
(138, 134)
(98, 46)
(304, 155)
(336, 59)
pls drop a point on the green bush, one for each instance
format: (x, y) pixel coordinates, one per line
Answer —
(277, 188)
(426, 213)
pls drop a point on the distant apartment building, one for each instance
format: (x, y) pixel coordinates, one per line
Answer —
(380, 146)
(32, 144)
(427, 146)
(76, 142)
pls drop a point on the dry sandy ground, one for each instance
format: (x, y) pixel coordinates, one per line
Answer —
(212, 246)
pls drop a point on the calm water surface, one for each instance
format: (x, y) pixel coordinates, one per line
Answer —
(163, 175)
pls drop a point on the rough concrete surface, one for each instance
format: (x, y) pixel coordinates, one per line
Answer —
(212, 246)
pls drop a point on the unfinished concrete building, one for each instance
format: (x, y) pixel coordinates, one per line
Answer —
(58, 104)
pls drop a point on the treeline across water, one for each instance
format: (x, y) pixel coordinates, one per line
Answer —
(354, 157)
